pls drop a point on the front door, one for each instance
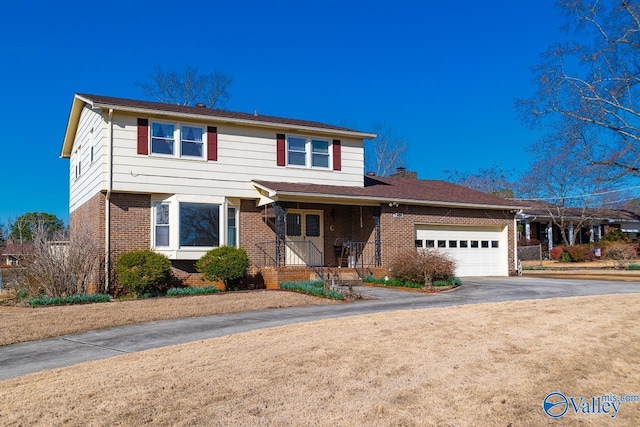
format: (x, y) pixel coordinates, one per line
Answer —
(304, 238)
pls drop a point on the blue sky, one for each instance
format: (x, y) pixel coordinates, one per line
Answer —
(442, 74)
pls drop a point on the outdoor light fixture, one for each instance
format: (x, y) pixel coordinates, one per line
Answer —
(393, 204)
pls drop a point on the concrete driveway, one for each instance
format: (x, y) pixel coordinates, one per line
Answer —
(34, 356)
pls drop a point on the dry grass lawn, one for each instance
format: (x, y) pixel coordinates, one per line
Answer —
(18, 324)
(474, 365)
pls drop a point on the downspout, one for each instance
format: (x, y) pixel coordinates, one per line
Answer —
(516, 261)
(107, 209)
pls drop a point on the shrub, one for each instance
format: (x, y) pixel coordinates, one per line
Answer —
(565, 257)
(556, 252)
(633, 267)
(143, 272)
(423, 266)
(620, 253)
(226, 263)
(58, 265)
(616, 236)
(311, 287)
(204, 290)
(71, 299)
(581, 253)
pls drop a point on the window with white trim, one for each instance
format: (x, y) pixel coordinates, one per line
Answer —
(308, 152)
(199, 225)
(232, 229)
(190, 140)
(162, 226)
(319, 153)
(296, 151)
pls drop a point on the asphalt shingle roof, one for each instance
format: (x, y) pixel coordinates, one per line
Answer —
(203, 111)
(408, 189)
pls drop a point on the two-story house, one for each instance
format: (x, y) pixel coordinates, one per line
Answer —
(182, 180)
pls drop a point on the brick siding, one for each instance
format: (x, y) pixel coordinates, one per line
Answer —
(399, 233)
(88, 221)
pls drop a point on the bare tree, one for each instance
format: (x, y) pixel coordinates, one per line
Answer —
(386, 152)
(563, 185)
(493, 180)
(59, 267)
(188, 87)
(592, 82)
(4, 235)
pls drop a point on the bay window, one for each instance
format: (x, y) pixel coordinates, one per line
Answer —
(199, 225)
(162, 224)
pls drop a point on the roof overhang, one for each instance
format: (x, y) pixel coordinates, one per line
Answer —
(269, 195)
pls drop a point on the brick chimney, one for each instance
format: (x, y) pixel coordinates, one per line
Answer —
(402, 172)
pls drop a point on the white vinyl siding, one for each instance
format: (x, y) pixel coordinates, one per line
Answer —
(91, 180)
(244, 154)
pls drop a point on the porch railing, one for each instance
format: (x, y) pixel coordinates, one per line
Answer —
(297, 253)
(359, 256)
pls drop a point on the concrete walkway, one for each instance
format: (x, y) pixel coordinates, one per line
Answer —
(34, 356)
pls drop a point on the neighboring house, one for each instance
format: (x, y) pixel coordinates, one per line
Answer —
(182, 180)
(15, 253)
(536, 223)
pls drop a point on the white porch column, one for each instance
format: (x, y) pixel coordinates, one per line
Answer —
(527, 230)
(550, 234)
(592, 235)
(599, 232)
(571, 242)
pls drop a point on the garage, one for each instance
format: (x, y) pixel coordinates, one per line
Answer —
(478, 251)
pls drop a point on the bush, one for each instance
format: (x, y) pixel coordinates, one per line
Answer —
(616, 236)
(620, 253)
(423, 266)
(556, 252)
(226, 263)
(565, 257)
(633, 267)
(204, 290)
(143, 272)
(71, 299)
(311, 287)
(581, 253)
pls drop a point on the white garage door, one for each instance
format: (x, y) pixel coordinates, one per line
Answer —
(478, 251)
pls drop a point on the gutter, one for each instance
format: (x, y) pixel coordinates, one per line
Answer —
(107, 208)
(283, 195)
(254, 123)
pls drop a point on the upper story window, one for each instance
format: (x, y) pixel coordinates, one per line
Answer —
(297, 151)
(319, 153)
(165, 135)
(311, 152)
(191, 141)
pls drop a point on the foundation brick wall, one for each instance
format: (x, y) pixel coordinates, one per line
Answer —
(130, 223)
(254, 228)
(398, 234)
(88, 220)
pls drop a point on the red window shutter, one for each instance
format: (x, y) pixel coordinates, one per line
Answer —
(212, 143)
(337, 155)
(143, 136)
(281, 150)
